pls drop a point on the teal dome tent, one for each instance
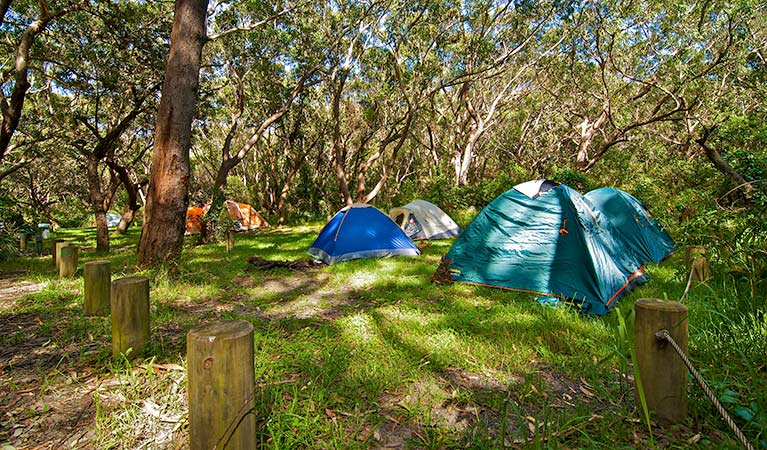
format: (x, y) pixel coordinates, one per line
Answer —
(631, 221)
(548, 240)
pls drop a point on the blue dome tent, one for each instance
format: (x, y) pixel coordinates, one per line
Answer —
(361, 231)
(548, 240)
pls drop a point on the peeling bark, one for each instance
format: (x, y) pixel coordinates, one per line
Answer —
(162, 235)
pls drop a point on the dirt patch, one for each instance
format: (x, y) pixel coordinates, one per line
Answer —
(12, 289)
(564, 391)
(474, 381)
(302, 296)
(258, 263)
(60, 417)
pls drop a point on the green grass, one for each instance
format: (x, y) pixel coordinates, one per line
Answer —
(371, 353)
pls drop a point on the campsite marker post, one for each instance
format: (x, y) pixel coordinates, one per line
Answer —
(67, 261)
(229, 241)
(130, 315)
(56, 251)
(219, 359)
(662, 372)
(695, 258)
(98, 278)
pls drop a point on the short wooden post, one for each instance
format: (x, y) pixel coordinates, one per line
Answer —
(56, 249)
(221, 386)
(229, 241)
(695, 258)
(23, 242)
(662, 372)
(98, 278)
(67, 261)
(129, 301)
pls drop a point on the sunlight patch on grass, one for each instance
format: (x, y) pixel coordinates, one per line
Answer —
(408, 317)
(364, 279)
(183, 292)
(359, 328)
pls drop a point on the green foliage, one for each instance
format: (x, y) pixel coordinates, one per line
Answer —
(745, 140)
(236, 190)
(9, 240)
(576, 180)
(71, 212)
(11, 227)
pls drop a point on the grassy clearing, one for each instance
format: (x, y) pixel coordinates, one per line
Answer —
(367, 353)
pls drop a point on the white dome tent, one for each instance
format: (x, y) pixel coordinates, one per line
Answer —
(420, 219)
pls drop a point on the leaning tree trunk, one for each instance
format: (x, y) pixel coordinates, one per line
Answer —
(164, 221)
(132, 190)
(97, 203)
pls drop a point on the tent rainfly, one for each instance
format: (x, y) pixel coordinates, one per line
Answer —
(360, 231)
(628, 218)
(549, 240)
(420, 219)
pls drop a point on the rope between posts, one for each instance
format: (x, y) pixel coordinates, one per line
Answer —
(663, 335)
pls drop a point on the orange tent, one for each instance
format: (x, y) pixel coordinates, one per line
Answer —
(245, 217)
(243, 213)
(194, 219)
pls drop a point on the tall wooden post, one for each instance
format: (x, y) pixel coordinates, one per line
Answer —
(662, 372)
(67, 261)
(229, 241)
(221, 386)
(98, 278)
(130, 315)
(56, 249)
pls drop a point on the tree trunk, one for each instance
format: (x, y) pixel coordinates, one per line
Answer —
(281, 210)
(11, 112)
(724, 167)
(338, 154)
(165, 219)
(588, 132)
(125, 221)
(132, 189)
(97, 203)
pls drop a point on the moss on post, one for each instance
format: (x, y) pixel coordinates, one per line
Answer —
(662, 372)
(98, 278)
(130, 315)
(67, 261)
(58, 244)
(221, 386)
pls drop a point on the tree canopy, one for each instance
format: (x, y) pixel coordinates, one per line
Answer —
(304, 107)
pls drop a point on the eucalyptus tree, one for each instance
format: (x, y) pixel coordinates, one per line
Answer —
(258, 61)
(164, 221)
(104, 76)
(23, 24)
(633, 68)
(501, 42)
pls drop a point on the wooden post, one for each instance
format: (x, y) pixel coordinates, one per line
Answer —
(130, 315)
(695, 258)
(23, 242)
(98, 278)
(229, 241)
(67, 261)
(55, 249)
(662, 372)
(221, 377)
